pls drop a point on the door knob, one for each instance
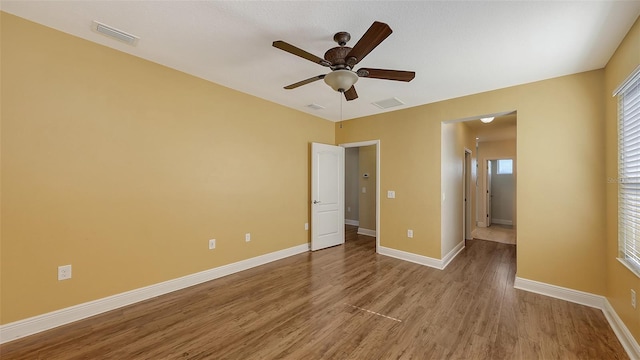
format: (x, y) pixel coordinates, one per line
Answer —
(316, 202)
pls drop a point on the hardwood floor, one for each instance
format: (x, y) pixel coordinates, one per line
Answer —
(344, 302)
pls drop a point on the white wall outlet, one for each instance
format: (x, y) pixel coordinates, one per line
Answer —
(64, 272)
(633, 298)
(409, 233)
(306, 226)
(364, 190)
(348, 208)
(247, 237)
(391, 194)
(212, 244)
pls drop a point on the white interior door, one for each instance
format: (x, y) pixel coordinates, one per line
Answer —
(327, 196)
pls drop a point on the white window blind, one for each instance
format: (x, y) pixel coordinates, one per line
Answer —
(629, 171)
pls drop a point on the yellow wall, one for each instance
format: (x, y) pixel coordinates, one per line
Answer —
(560, 229)
(455, 138)
(367, 201)
(124, 169)
(497, 149)
(410, 166)
(619, 279)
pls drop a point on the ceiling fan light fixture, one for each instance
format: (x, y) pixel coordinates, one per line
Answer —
(341, 80)
(487, 120)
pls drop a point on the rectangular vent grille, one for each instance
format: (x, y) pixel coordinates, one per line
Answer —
(114, 33)
(388, 103)
(315, 106)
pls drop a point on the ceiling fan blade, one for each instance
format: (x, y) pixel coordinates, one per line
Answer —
(372, 38)
(351, 94)
(304, 82)
(397, 75)
(299, 52)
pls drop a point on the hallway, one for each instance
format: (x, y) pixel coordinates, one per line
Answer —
(504, 234)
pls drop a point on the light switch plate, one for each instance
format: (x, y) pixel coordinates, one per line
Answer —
(391, 194)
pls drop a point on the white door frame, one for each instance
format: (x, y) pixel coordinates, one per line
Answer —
(467, 213)
(488, 192)
(377, 144)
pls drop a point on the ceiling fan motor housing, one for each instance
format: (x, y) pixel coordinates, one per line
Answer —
(336, 56)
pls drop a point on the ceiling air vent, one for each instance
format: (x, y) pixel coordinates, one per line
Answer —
(388, 103)
(114, 33)
(315, 106)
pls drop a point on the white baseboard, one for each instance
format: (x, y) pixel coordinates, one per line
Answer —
(36, 324)
(452, 254)
(421, 259)
(481, 224)
(559, 292)
(622, 332)
(596, 301)
(367, 232)
(501, 222)
(351, 222)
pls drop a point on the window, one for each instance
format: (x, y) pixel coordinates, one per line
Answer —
(505, 166)
(629, 171)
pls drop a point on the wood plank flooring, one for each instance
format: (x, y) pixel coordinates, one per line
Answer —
(344, 302)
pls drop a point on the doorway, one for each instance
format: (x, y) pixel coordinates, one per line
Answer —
(366, 182)
(500, 202)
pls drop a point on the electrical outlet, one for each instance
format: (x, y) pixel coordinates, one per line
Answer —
(633, 298)
(348, 208)
(306, 226)
(64, 272)
(247, 237)
(212, 244)
(409, 233)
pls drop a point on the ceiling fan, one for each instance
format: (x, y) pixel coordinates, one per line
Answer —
(342, 59)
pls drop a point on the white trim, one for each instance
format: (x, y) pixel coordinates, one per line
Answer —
(627, 340)
(631, 78)
(502, 222)
(628, 266)
(411, 257)
(367, 232)
(596, 301)
(559, 292)
(421, 259)
(36, 324)
(498, 114)
(481, 224)
(351, 222)
(452, 254)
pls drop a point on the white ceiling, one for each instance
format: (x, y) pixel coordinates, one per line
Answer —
(456, 48)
